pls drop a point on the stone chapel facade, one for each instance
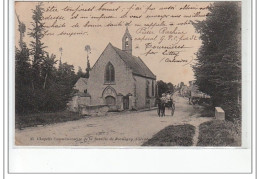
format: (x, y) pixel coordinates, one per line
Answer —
(120, 80)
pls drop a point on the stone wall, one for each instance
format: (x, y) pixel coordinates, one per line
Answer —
(77, 101)
(99, 110)
(123, 77)
(124, 84)
(141, 100)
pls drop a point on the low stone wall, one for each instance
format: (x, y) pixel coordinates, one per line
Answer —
(77, 101)
(97, 110)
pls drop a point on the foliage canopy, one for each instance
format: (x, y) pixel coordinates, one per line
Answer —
(218, 67)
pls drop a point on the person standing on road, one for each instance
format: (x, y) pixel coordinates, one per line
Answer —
(173, 101)
(190, 100)
(163, 98)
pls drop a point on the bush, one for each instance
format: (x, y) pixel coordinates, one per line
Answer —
(232, 111)
(220, 133)
(31, 120)
(180, 135)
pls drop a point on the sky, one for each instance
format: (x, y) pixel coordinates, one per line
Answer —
(148, 13)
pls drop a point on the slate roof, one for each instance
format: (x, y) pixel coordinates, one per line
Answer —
(82, 82)
(135, 63)
(85, 80)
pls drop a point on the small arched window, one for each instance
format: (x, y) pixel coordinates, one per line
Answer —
(109, 73)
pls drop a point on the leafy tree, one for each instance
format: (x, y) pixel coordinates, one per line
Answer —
(63, 85)
(39, 85)
(164, 87)
(22, 73)
(22, 66)
(80, 72)
(22, 80)
(47, 68)
(170, 87)
(218, 67)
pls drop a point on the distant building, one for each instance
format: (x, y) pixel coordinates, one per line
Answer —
(81, 85)
(184, 91)
(195, 92)
(81, 96)
(193, 88)
(119, 79)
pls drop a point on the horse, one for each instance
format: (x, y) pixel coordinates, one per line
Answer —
(161, 107)
(170, 105)
(162, 104)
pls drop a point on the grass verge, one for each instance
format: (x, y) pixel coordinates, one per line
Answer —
(203, 111)
(180, 135)
(220, 133)
(31, 120)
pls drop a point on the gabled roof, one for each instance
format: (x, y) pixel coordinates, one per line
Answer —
(135, 63)
(84, 80)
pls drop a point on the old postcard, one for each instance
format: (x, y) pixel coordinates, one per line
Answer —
(128, 74)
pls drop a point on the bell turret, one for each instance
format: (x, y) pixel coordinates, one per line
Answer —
(127, 42)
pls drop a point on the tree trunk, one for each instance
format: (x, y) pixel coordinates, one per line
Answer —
(32, 86)
(45, 79)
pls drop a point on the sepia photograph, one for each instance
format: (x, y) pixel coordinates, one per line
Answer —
(134, 74)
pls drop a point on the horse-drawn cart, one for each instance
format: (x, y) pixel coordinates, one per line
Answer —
(164, 103)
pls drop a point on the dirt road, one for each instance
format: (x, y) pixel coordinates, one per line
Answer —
(123, 129)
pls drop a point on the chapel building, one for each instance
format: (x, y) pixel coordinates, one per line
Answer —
(119, 79)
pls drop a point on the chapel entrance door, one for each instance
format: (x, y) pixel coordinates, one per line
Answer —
(126, 102)
(110, 101)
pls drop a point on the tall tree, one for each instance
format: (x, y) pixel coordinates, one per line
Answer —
(22, 72)
(88, 50)
(218, 67)
(62, 89)
(87, 69)
(162, 87)
(39, 85)
(37, 46)
(47, 67)
(22, 80)
(21, 29)
(170, 87)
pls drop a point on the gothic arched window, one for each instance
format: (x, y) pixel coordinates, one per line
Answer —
(126, 42)
(110, 73)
